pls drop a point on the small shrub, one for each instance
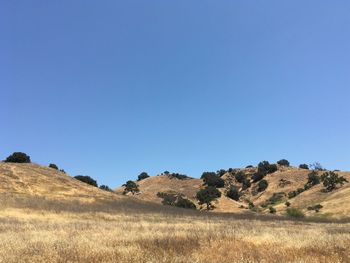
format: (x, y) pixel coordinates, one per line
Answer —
(249, 166)
(86, 179)
(106, 188)
(208, 195)
(272, 210)
(251, 205)
(287, 204)
(295, 213)
(233, 193)
(62, 171)
(18, 157)
(131, 186)
(331, 180)
(316, 208)
(185, 203)
(178, 176)
(292, 194)
(53, 166)
(221, 172)
(142, 176)
(262, 185)
(246, 184)
(304, 166)
(168, 198)
(283, 162)
(300, 190)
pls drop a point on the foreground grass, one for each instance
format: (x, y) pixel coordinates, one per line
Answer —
(34, 235)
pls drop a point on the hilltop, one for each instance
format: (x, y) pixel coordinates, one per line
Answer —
(280, 183)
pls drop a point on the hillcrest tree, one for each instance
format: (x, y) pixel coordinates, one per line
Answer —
(142, 176)
(18, 157)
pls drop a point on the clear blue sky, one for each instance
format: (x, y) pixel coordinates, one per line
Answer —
(113, 88)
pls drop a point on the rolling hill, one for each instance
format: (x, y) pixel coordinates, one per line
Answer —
(335, 204)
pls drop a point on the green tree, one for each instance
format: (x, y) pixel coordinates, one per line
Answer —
(131, 186)
(331, 180)
(265, 167)
(142, 176)
(86, 179)
(18, 157)
(208, 195)
(106, 188)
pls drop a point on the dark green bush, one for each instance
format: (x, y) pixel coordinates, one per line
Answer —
(265, 167)
(106, 188)
(142, 176)
(249, 166)
(292, 194)
(86, 179)
(208, 195)
(296, 213)
(316, 208)
(131, 186)
(262, 185)
(240, 176)
(178, 176)
(212, 179)
(304, 166)
(221, 172)
(185, 203)
(283, 162)
(246, 184)
(287, 204)
(233, 193)
(18, 157)
(168, 198)
(257, 177)
(53, 166)
(272, 210)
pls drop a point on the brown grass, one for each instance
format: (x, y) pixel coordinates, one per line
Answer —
(60, 234)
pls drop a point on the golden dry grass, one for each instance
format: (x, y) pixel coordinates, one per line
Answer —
(28, 235)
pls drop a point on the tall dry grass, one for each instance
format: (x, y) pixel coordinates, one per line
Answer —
(31, 234)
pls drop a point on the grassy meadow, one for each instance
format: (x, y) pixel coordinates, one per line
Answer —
(42, 231)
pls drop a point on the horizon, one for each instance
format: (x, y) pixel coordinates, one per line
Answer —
(113, 89)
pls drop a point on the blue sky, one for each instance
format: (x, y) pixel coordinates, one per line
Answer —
(113, 88)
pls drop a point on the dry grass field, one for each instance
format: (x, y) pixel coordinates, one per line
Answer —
(88, 225)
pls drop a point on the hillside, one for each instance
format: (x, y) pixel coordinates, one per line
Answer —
(336, 204)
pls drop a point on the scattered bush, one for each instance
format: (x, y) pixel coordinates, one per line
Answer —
(249, 166)
(62, 171)
(251, 205)
(185, 203)
(221, 172)
(178, 176)
(233, 193)
(331, 180)
(257, 177)
(168, 198)
(287, 204)
(240, 176)
(296, 213)
(142, 176)
(275, 198)
(272, 210)
(313, 178)
(18, 157)
(304, 166)
(265, 167)
(283, 162)
(292, 194)
(283, 182)
(262, 185)
(316, 208)
(246, 184)
(208, 195)
(106, 188)
(212, 179)
(131, 186)
(300, 190)
(53, 166)
(86, 179)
